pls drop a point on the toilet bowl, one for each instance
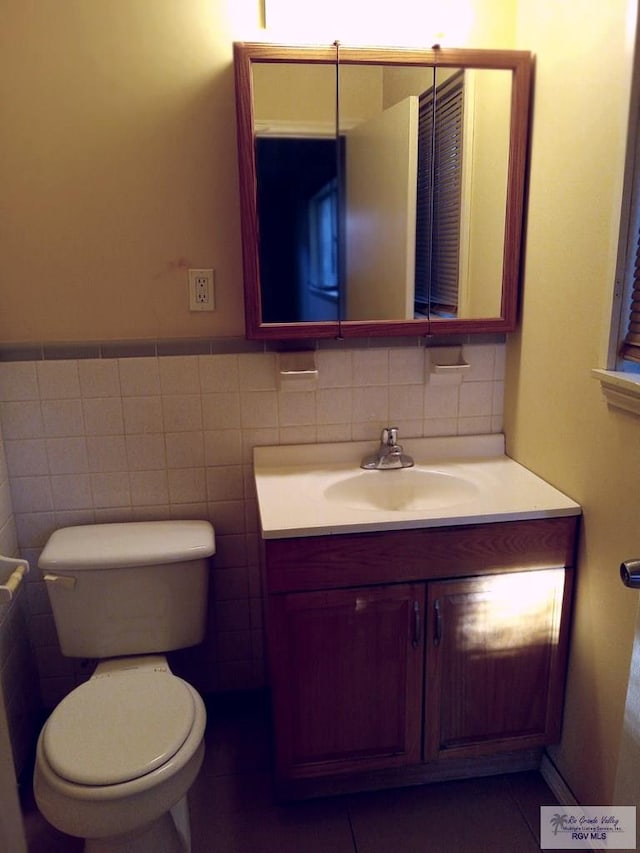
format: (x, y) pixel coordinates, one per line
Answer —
(117, 756)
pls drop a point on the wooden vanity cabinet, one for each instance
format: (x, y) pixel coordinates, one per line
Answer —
(495, 662)
(347, 670)
(417, 652)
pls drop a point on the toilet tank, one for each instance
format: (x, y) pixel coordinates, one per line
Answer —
(128, 588)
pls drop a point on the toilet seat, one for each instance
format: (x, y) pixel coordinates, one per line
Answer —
(119, 726)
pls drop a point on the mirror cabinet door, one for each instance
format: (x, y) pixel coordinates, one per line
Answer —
(382, 191)
(294, 108)
(468, 192)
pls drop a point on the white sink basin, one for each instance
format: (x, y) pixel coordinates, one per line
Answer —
(316, 490)
(402, 490)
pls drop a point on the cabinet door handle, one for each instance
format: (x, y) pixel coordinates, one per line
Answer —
(416, 625)
(437, 623)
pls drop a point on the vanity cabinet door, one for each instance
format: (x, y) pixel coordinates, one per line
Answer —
(496, 652)
(347, 676)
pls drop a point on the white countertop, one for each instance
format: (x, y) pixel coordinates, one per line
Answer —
(291, 483)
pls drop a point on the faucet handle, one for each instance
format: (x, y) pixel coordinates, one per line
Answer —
(389, 437)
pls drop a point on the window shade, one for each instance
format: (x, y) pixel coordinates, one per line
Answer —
(439, 189)
(631, 344)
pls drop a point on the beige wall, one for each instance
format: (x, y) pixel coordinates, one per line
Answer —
(119, 163)
(118, 167)
(556, 421)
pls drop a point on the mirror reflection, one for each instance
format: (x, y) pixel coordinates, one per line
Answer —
(419, 215)
(297, 191)
(381, 190)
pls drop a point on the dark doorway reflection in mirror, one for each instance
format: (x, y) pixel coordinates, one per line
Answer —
(298, 228)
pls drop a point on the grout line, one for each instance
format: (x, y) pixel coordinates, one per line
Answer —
(351, 829)
(516, 801)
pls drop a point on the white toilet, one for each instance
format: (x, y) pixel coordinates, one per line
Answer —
(117, 756)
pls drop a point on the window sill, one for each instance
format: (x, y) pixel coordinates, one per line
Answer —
(621, 390)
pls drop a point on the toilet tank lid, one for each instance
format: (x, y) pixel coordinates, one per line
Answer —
(138, 543)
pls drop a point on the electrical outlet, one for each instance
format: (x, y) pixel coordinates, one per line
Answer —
(201, 293)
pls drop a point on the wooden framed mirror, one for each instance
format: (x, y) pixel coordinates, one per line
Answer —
(382, 190)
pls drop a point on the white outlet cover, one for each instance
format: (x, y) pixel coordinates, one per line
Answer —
(201, 290)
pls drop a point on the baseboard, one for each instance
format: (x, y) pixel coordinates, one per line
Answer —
(554, 780)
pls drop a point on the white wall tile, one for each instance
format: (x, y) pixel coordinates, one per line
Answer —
(58, 380)
(179, 375)
(219, 373)
(187, 485)
(182, 412)
(34, 528)
(367, 430)
(221, 410)
(476, 399)
(371, 405)
(258, 409)
(99, 377)
(107, 453)
(231, 551)
(227, 516)
(233, 615)
(497, 405)
(501, 360)
(103, 416)
(370, 367)
(149, 488)
(297, 408)
(298, 434)
(18, 381)
(406, 366)
(142, 414)
(474, 425)
(187, 449)
(230, 584)
(223, 447)
(62, 417)
(67, 455)
(139, 377)
(335, 369)
(481, 359)
(21, 420)
(334, 432)
(26, 456)
(441, 401)
(225, 483)
(72, 517)
(440, 426)
(8, 532)
(256, 437)
(146, 452)
(71, 491)
(257, 371)
(406, 402)
(31, 494)
(111, 489)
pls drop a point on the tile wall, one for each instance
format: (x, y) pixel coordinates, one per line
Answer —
(19, 690)
(112, 439)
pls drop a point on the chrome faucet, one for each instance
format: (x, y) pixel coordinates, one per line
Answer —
(389, 455)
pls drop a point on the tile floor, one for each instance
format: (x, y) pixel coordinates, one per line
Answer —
(233, 808)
